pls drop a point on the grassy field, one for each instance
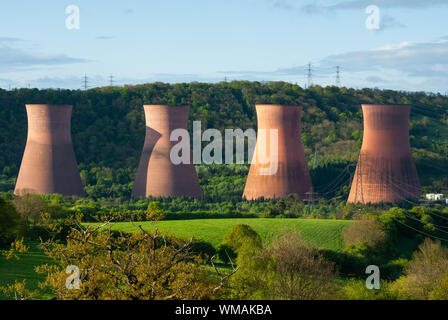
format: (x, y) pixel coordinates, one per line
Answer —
(319, 232)
(323, 233)
(18, 270)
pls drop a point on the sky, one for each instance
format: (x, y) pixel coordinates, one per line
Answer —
(140, 41)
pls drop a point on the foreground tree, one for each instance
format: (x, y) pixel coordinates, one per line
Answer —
(111, 265)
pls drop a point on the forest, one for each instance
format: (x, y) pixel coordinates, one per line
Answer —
(108, 129)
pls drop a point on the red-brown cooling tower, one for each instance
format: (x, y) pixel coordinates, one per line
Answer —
(292, 176)
(386, 170)
(157, 176)
(49, 163)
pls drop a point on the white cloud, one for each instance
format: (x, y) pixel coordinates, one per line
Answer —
(417, 59)
(13, 58)
(401, 66)
(315, 7)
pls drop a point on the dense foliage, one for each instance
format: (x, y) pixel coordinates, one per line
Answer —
(108, 131)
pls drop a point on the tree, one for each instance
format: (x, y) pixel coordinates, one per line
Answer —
(144, 265)
(239, 236)
(289, 270)
(426, 275)
(30, 207)
(301, 272)
(367, 230)
(9, 222)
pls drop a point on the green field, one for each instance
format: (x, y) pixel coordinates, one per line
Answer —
(322, 233)
(18, 270)
(319, 232)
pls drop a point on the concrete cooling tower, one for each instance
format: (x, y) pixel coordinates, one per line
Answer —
(49, 164)
(386, 170)
(157, 176)
(291, 176)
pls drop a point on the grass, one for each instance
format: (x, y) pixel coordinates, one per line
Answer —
(323, 233)
(319, 232)
(23, 269)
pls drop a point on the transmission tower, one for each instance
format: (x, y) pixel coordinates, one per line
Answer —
(338, 76)
(310, 75)
(359, 180)
(111, 80)
(86, 82)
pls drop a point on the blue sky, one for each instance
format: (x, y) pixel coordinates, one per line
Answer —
(141, 41)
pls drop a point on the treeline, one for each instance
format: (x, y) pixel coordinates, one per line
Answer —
(108, 129)
(405, 244)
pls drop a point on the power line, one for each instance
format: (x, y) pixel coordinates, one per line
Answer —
(416, 230)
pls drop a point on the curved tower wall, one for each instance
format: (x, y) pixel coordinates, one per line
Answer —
(157, 176)
(386, 170)
(292, 176)
(49, 163)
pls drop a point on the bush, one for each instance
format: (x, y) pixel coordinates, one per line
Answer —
(346, 262)
(357, 290)
(10, 223)
(203, 249)
(30, 207)
(226, 253)
(425, 277)
(287, 270)
(394, 269)
(366, 230)
(301, 272)
(239, 236)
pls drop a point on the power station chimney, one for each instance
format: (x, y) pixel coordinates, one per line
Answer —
(291, 176)
(386, 170)
(157, 176)
(49, 163)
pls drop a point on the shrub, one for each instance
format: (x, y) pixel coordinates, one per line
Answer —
(394, 269)
(357, 290)
(226, 253)
(203, 249)
(240, 235)
(425, 277)
(289, 269)
(10, 223)
(346, 262)
(30, 207)
(366, 230)
(301, 272)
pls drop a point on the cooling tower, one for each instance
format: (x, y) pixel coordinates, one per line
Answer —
(157, 176)
(49, 164)
(386, 170)
(291, 176)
